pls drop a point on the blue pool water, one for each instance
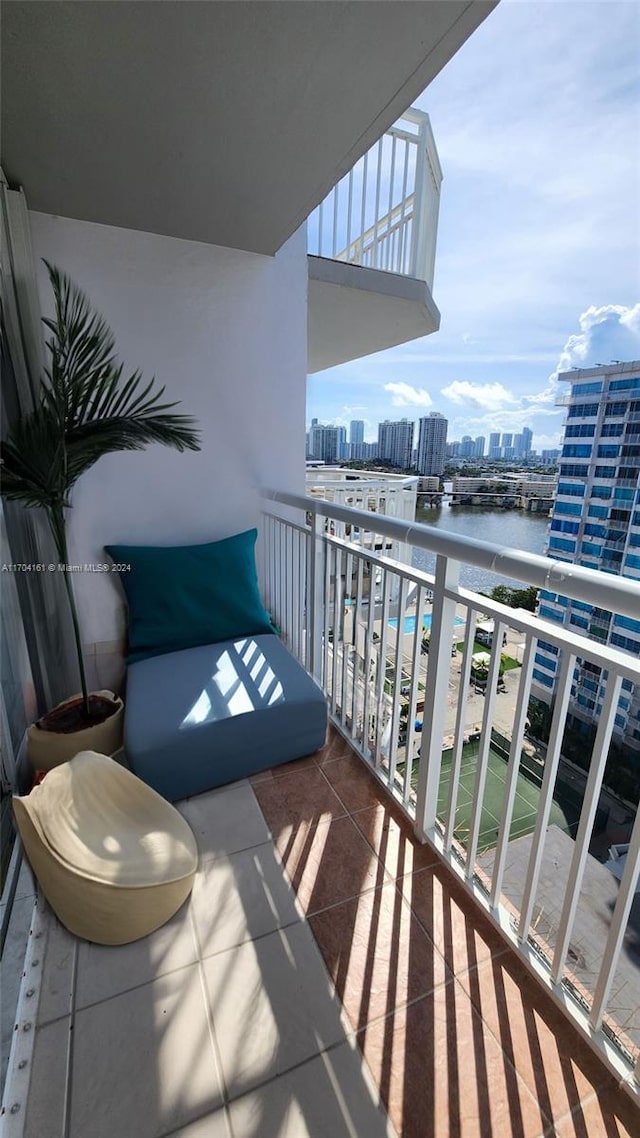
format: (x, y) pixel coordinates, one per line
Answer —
(410, 622)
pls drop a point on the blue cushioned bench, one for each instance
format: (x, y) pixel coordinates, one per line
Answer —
(204, 716)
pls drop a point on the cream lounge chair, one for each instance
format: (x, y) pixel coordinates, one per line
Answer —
(114, 859)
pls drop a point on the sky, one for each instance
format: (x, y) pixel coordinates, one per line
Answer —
(537, 125)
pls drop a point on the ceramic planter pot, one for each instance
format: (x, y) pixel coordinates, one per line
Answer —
(47, 749)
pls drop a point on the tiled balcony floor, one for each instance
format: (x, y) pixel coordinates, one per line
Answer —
(225, 1024)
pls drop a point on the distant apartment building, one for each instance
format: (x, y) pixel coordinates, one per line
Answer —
(494, 444)
(549, 457)
(596, 523)
(395, 442)
(432, 444)
(478, 448)
(363, 452)
(326, 442)
(356, 431)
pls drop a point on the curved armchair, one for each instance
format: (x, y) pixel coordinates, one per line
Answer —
(113, 858)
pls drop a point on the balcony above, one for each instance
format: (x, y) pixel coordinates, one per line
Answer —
(221, 123)
(372, 245)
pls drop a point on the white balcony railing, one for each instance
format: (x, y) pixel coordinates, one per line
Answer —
(355, 618)
(384, 213)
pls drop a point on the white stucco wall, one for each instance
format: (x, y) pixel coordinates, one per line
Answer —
(225, 331)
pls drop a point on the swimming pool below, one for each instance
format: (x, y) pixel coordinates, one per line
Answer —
(410, 621)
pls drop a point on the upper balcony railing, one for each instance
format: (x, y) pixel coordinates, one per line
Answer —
(384, 213)
(442, 720)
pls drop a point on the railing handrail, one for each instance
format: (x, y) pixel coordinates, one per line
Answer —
(616, 593)
(380, 229)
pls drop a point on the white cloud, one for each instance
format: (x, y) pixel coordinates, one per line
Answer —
(353, 412)
(491, 396)
(404, 395)
(606, 333)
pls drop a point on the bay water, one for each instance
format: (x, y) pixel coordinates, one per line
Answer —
(508, 529)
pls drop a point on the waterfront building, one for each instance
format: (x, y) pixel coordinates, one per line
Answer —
(395, 442)
(432, 444)
(596, 523)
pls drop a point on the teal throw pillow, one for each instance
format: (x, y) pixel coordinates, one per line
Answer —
(183, 596)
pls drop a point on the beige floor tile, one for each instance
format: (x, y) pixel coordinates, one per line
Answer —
(215, 1125)
(331, 1096)
(272, 1007)
(56, 994)
(107, 970)
(241, 897)
(47, 1087)
(143, 1062)
(225, 821)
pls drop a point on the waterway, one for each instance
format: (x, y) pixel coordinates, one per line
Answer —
(508, 529)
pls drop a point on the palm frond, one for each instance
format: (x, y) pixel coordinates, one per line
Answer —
(87, 408)
(87, 443)
(33, 461)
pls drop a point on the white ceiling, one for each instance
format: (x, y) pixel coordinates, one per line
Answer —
(220, 122)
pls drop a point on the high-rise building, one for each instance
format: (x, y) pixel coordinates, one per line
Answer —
(467, 446)
(363, 452)
(395, 442)
(527, 442)
(494, 444)
(596, 523)
(550, 457)
(356, 431)
(478, 447)
(506, 440)
(327, 442)
(432, 442)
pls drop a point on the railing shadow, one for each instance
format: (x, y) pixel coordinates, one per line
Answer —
(458, 1037)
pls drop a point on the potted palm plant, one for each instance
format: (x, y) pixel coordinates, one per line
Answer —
(86, 408)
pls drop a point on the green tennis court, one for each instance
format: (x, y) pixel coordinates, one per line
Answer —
(526, 804)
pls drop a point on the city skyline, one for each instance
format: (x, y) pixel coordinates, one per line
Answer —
(394, 444)
(538, 243)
